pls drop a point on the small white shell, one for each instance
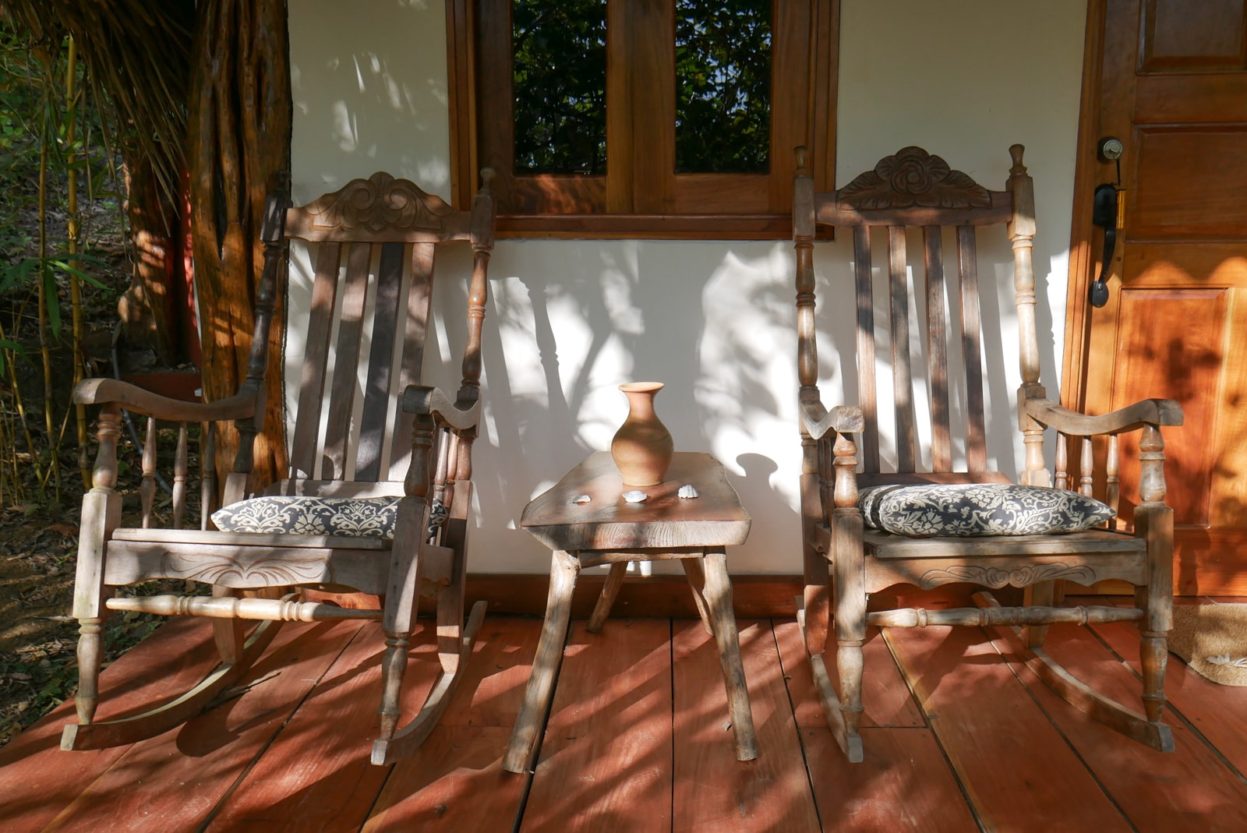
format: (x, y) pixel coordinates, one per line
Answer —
(635, 496)
(581, 499)
(687, 492)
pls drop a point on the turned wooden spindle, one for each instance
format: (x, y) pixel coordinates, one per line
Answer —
(418, 475)
(147, 487)
(179, 478)
(1112, 479)
(1152, 466)
(478, 291)
(207, 454)
(1062, 461)
(1086, 466)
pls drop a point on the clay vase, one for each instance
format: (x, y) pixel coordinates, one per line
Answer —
(642, 446)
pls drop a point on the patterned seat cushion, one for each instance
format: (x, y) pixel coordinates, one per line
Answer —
(367, 517)
(976, 509)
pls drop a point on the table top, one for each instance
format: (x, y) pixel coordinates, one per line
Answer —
(664, 521)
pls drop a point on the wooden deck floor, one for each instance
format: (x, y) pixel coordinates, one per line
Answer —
(638, 741)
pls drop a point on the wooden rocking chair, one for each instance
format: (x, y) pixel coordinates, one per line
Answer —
(372, 241)
(912, 190)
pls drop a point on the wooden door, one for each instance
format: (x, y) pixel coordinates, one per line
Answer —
(1172, 87)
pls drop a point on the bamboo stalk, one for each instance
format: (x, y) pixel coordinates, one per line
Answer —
(72, 234)
(45, 351)
(20, 405)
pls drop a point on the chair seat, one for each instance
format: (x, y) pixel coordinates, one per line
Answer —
(355, 517)
(1092, 542)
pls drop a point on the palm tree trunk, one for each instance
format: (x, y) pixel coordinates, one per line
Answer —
(239, 147)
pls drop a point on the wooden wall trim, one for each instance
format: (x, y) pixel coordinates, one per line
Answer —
(1082, 259)
(753, 596)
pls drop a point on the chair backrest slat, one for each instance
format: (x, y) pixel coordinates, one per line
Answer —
(419, 293)
(312, 377)
(902, 377)
(378, 392)
(937, 349)
(971, 348)
(346, 362)
(866, 397)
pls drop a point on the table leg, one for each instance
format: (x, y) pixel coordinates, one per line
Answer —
(531, 721)
(697, 581)
(719, 600)
(614, 580)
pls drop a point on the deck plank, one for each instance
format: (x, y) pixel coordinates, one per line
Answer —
(456, 781)
(173, 781)
(37, 779)
(885, 696)
(714, 791)
(1187, 789)
(904, 783)
(317, 776)
(606, 761)
(1016, 768)
(1219, 712)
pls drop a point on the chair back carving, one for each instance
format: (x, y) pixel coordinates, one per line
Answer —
(373, 245)
(914, 190)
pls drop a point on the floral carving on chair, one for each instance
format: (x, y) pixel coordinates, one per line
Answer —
(912, 177)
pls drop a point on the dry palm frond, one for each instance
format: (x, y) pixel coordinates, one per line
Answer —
(137, 56)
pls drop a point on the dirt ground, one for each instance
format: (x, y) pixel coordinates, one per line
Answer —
(37, 635)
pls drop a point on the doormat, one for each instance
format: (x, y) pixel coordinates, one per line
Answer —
(1212, 638)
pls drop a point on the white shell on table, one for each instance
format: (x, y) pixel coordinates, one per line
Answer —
(635, 496)
(581, 499)
(687, 492)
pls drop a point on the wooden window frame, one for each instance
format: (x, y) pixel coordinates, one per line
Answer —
(641, 195)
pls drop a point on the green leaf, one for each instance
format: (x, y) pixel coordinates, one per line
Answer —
(78, 273)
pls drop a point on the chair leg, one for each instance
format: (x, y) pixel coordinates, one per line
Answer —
(87, 697)
(564, 569)
(1157, 606)
(400, 610)
(718, 589)
(850, 621)
(815, 599)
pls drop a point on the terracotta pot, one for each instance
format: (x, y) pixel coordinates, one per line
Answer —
(642, 446)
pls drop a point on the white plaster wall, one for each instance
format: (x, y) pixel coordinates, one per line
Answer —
(569, 320)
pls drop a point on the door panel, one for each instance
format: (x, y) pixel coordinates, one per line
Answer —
(1174, 39)
(1173, 87)
(1182, 177)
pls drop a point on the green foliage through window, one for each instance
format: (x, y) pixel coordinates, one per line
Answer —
(723, 86)
(559, 78)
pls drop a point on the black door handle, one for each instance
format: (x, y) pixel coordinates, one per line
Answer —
(1104, 215)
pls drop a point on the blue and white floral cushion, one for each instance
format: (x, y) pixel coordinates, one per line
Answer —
(368, 517)
(978, 509)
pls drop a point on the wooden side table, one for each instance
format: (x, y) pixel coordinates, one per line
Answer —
(608, 530)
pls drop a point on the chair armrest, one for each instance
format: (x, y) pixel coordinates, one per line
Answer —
(133, 398)
(430, 401)
(1129, 418)
(843, 419)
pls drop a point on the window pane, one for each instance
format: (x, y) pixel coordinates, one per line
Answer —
(559, 78)
(723, 86)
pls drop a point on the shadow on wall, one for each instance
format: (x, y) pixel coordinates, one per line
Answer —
(570, 320)
(371, 97)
